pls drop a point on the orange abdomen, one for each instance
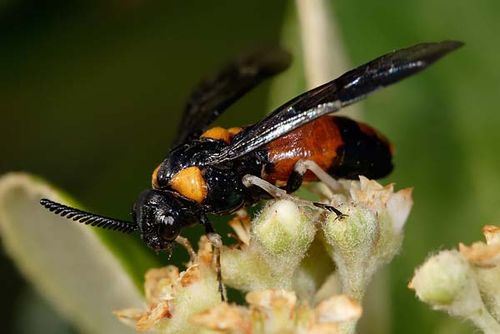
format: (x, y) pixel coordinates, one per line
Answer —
(317, 141)
(342, 147)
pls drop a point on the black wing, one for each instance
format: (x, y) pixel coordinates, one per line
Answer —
(213, 96)
(334, 95)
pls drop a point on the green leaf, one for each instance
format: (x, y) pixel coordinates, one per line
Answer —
(66, 262)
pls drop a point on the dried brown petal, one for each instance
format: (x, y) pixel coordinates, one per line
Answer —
(270, 299)
(160, 282)
(224, 318)
(277, 311)
(153, 315)
(324, 329)
(205, 251)
(481, 254)
(398, 208)
(165, 288)
(370, 192)
(129, 316)
(190, 275)
(241, 227)
(492, 234)
(336, 309)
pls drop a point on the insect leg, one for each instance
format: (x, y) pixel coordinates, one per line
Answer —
(187, 245)
(297, 176)
(301, 167)
(330, 208)
(252, 180)
(216, 241)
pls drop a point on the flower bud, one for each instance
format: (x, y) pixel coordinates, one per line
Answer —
(442, 279)
(371, 233)
(485, 263)
(283, 229)
(448, 282)
(279, 240)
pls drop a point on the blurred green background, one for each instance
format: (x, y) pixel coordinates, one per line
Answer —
(91, 92)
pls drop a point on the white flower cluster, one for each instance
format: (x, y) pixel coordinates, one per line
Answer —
(290, 260)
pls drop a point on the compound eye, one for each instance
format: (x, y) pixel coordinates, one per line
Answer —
(168, 229)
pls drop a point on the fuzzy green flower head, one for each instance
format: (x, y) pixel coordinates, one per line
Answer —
(188, 302)
(465, 282)
(284, 229)
(370, 233)
(441, 279)
(271, 247)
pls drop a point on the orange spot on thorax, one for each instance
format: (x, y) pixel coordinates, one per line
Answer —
(190, 183)
(219, 133)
